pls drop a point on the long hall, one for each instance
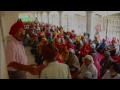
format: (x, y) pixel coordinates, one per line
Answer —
(59, 44)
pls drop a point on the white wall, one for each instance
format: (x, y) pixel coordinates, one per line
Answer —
(8, 19)
(3, 67)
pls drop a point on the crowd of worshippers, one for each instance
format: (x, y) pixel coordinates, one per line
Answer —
(51, 44)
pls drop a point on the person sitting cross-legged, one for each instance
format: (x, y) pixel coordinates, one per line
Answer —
(112, 48)
(88, 65)
(105, 63)
(101, 47)
(73, 62)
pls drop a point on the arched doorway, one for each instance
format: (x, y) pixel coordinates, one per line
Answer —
(44, 17)
(67, 20)
(54, 18)
(77, 24)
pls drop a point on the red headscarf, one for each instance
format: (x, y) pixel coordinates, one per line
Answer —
(65, 48)
(15, 27)
(48, 52)
(35, 37)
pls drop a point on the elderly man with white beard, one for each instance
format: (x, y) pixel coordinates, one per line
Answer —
(88, 65)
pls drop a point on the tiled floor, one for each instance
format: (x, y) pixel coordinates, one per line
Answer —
(31, 60)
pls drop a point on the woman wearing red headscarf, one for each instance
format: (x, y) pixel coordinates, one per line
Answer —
(85, 50)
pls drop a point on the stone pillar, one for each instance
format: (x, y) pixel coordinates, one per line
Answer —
(40, 16)
(48, 12)
(89, 24)
(60, 18)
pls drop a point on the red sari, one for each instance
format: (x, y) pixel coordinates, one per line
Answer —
(59, 58)
(118, 60)
(85, 50)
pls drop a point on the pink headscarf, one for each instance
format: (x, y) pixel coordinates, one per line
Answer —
(96, 63)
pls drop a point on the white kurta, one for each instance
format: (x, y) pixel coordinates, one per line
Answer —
(108, 76)
(56, 70)
(91, 68)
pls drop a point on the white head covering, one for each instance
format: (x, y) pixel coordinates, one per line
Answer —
(88, 75)
(81, 42)
(92, 45)
(89, 57)
(84, 40)
(71, 50)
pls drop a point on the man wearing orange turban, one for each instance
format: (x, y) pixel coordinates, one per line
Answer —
(15, 54)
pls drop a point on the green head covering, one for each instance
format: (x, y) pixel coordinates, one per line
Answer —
(107, 53)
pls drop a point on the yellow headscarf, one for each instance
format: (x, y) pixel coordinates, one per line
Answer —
(78, 39)
(96, 36)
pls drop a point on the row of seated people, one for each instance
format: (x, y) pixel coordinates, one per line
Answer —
(105, 45)
(79, 53)
(65, 54)
(90, 69)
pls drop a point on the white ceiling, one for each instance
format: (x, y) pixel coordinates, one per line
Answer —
(105, 13)
(82, 13)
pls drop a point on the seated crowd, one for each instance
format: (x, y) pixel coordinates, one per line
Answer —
(66, 55)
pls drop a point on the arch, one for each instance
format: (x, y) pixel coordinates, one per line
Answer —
(79, 24)
(73, 20)
(76, 23)
(44, 17)
(67, 20)
(54, 18)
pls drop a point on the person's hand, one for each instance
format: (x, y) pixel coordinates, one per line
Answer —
(32, 69)
(40, 68)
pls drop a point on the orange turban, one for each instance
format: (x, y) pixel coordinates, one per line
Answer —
(15, 27)
(82, 37)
